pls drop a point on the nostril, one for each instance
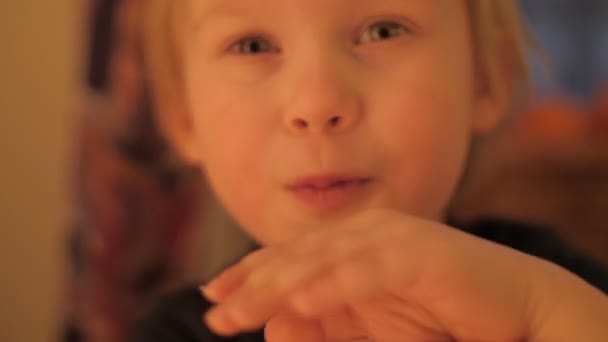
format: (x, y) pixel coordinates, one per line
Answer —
(300, 123)
(334, 121)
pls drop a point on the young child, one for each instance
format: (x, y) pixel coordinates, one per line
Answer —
(336, 133)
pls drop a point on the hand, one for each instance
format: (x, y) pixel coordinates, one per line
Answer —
(383, 276)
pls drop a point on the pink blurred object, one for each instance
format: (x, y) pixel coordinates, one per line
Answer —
(554, 122)
(599, 114)
(548, 165)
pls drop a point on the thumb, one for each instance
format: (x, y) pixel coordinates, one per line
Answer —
(294, 328)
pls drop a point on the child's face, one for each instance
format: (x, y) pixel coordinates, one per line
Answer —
(377, 98)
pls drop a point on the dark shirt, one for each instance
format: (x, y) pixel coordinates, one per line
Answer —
(178, 317)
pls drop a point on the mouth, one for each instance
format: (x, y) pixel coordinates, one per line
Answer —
(329, 191)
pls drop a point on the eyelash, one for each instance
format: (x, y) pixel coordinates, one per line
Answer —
(240, 47)
(389, 28)
(257, 44)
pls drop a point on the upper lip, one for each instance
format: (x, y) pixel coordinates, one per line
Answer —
(324, 181)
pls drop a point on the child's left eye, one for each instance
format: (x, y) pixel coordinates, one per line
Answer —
(380, 31)
(252, 45)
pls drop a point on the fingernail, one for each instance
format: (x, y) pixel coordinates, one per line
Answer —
(221, 322)
(240, 316)
(210, 293)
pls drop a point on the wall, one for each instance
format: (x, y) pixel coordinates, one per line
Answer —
(38, 96)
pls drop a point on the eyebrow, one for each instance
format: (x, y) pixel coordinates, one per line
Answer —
(236, 8)
(220, 8)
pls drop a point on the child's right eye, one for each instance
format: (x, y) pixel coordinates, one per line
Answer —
(383, 30)
(252, 46)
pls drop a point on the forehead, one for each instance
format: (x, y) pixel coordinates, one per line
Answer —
(203, 10)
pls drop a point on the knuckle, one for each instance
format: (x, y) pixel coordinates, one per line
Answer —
(256, 257)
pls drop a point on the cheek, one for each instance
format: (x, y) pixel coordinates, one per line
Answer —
(231, 127)
(232, 135)
(423, 130)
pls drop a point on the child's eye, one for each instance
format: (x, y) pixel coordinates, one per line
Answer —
(252, 46)
(380, 31)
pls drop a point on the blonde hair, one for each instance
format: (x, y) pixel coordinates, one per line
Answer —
(499, 36)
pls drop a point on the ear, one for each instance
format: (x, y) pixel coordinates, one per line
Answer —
(177, 126)
(489, 112)
(162, 75)
(493, 95)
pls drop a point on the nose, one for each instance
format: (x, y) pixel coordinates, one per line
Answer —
(326, 104)
(321, 124)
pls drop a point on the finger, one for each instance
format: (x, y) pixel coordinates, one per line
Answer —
(290, 327)
(316, 257)
(263, 294)
(233, 278)
(220, 288)
(327, 247)
(342, 284)
(246, 311)
(303, 261)
(354, 280)
(221, 324)
(249, 308)
(255, 271)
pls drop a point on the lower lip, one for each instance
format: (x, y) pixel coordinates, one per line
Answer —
(331, 198)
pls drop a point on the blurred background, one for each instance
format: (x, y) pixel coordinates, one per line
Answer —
(98, 219)
(39, 93)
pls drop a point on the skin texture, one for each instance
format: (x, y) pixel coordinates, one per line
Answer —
(408, 278)
(386, 90)
(406, 112)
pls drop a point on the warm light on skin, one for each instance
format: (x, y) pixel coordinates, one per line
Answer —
(324, 97)
(409, 105)
(412, 103)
